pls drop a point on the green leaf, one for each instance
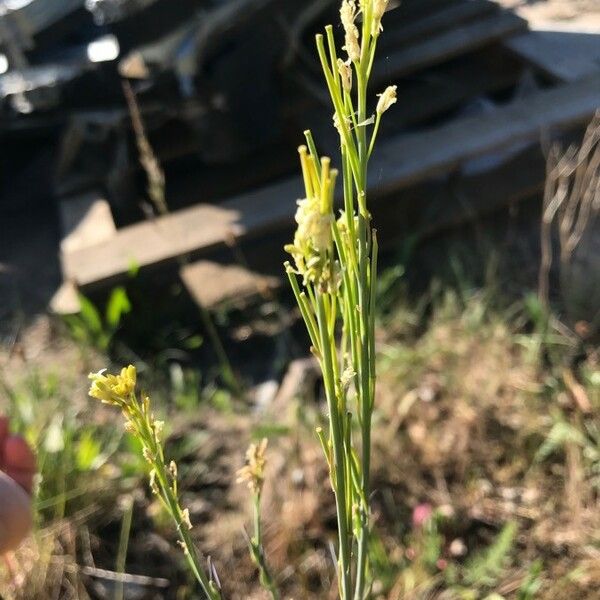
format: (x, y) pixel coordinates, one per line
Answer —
(532, 583)
(117, 306)
(485, 568)
(88, 452)
(193, 342)
(561, 434)
(89, 314)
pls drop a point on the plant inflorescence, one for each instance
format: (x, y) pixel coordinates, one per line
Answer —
(333, 277)
(120, 390)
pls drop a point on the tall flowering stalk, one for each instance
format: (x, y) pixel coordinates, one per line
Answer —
(120, 390)
(334, 278)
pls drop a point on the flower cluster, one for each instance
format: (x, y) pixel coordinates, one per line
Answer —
(313, 239)
(253, 472)
(113, 389)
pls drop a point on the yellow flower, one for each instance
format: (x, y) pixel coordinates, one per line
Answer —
(113, 389)
(313, 239)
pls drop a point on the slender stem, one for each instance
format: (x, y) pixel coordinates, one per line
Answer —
(169, 496)
(339, 456)
(123, 545)
(191, 554)
(365, 283)
(266, 579)
(302, 302)
(374, 134)
(339, 108)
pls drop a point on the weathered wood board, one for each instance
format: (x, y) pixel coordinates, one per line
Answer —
(448, 44)
(560, 55)
(400, 162)
(399, 31)
(211, 284)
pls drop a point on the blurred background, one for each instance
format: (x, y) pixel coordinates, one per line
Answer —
(148, 179)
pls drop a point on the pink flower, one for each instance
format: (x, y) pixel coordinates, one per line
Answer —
(421, 514)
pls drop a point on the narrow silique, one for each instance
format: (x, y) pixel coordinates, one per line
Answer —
(334, 275)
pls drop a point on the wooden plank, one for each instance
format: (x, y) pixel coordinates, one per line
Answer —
(444, 18)
(36, 16)
(211, 284)
(426, 209)
(560, 55)
(399, 162)
(86, 220)
(449, 86)
(447, 45)
(411, 158)
(408, 10)
(65, 300)
(434, 205)
(201, 226)
(467, 198)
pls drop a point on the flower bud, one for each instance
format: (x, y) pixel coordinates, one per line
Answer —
(386, 99)
(345, 71)
(347, 16)
(379, 7)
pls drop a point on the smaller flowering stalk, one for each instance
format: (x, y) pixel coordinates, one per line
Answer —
(120, 390)
(386, 99)
(253, 475)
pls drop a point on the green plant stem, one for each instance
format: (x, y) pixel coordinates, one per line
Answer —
(168, 495)
(339, 454)
(366, 367)
(346, 292)
(258, 554)
(122, 551)
(374, 134)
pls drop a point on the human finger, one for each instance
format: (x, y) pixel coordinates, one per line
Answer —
(15, 514)
(19, 461)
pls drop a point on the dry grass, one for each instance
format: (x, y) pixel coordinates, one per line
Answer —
(475, 418)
